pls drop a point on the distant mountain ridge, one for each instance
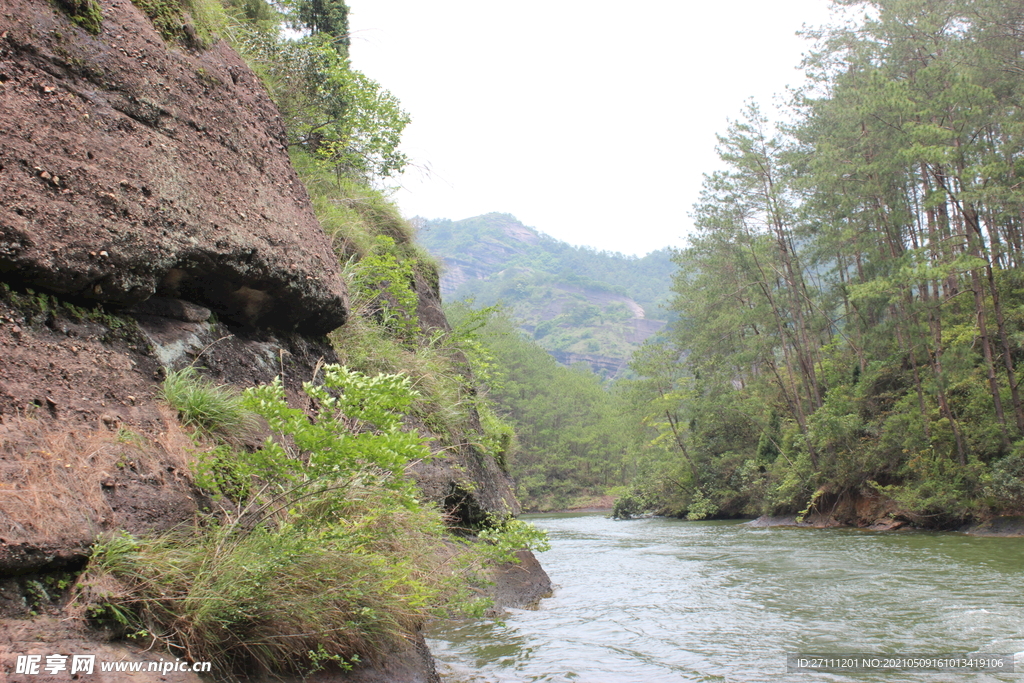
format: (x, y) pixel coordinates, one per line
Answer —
(580, 304)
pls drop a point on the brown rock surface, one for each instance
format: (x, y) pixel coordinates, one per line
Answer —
(864, 508)
(151, 178)
(520, 584)
(86, 444)
(131, 168)
(44, 636)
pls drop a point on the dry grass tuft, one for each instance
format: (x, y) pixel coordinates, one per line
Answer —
(53, 480)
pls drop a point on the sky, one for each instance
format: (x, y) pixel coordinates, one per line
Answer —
(591, 121)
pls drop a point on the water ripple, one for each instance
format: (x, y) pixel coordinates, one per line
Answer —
(663, 600)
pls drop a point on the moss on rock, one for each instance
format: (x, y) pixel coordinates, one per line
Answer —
(86, 13)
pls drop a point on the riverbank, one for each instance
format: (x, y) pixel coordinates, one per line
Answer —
(1008, 526)
(583, 504)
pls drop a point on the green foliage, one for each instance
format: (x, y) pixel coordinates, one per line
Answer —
(571, 434)
(85, 13)
(1006, 478)
(386, 287)
(352, 214)
(499, 438)
(356, 435)
(328, 558)
(939, 488)
(204, 406)
(636, 500)
(343, 119)
(506, 537)
(322, 16)
(444, 397)
(848, 310)
(193, 23)
(701, 507)
(224, 471)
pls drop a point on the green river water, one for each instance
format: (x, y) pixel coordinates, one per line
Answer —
(651, 600)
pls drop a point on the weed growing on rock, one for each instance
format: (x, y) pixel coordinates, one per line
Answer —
(204, 406)
(385, 285)
(194, 23)
(325, 556)
(281, 597)
(85, 13)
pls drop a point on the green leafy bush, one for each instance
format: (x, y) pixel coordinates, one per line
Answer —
(327, 557)
(356, 436)
(508, 536)
(701, 507)
(1006, 480)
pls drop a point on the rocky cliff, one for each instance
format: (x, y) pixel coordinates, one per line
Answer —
(131, 169)
(149, 218)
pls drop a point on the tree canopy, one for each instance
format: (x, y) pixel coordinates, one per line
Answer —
(850, 311)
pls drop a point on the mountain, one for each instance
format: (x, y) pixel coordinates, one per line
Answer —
(580, 304)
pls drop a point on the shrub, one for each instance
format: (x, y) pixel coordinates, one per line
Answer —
(328, 556)
(356, 435)
(633, 502)
(505, 537)
(701, 507)
(1006, 480)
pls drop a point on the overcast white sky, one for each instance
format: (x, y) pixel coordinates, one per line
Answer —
(592, 121)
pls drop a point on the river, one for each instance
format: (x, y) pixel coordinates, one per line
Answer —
(652, 600)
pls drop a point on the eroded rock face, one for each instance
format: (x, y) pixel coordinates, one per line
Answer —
(87, 443)
(131, 168)
(154, 179)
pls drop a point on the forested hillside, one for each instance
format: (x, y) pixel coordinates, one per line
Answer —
(580, 304)
(572, 433)
(851, 306)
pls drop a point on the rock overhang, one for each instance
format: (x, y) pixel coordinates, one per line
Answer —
(131, 168)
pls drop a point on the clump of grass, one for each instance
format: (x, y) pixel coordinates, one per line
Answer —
(351, 213)
(286, 595)
(53, 478)
(214, 410)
